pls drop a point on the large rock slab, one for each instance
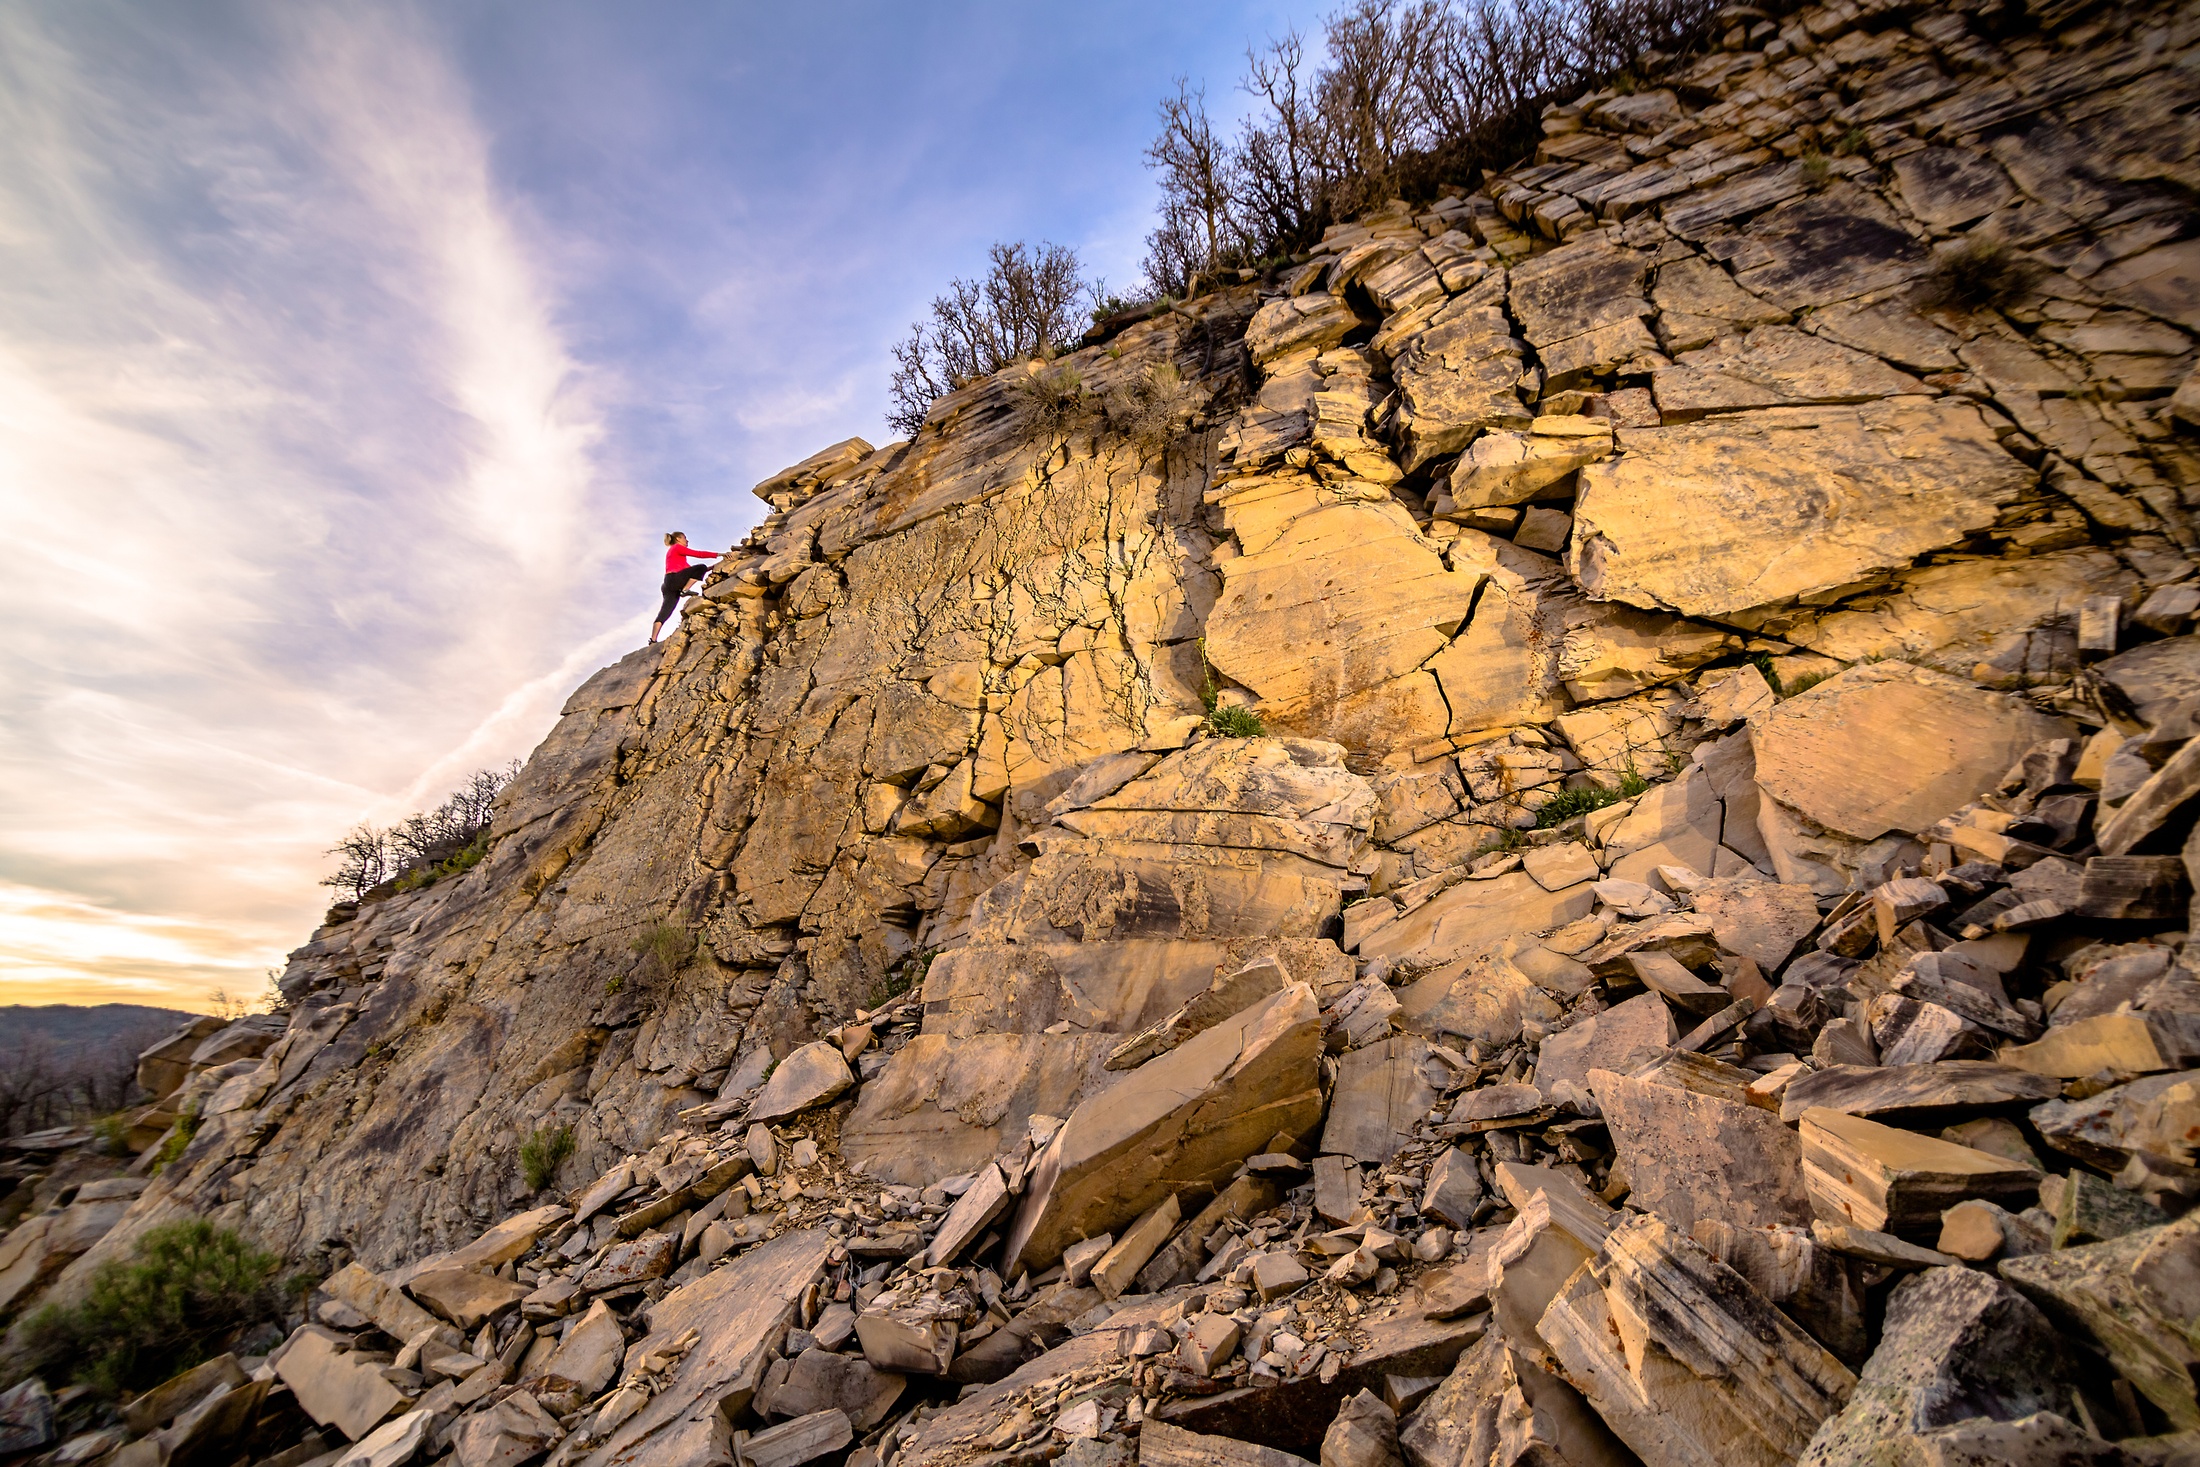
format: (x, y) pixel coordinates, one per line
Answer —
(1184, 1120)
(1691, 1156)
(1710, 1372)
(1382, 1093)
(1892, 747)
(741, 1312)
(1477, 915)
(335, 1387)
(1737, 516)
(2138, 1295)
(1954, 617)
(1773, 366)
(1936, 1094)
(1888, 1180)
(1334, 596)
(1956, 1345)
(945, 1106)
(1266, 794)
(1621, 1038)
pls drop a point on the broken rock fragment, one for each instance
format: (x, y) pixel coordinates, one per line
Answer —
(1895, 1181)
(1957, 1345)
(811, 1076)
(1691, 1156)
(1182, 1121)
(2138, 1296)
(1709, 1371)
(334, 1387)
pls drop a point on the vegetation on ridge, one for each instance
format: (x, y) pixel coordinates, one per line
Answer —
(186, 1292)
(1394, 99)
(423, 847)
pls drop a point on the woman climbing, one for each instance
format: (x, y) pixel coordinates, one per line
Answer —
(679, 575)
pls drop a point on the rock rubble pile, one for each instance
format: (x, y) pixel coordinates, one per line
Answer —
(1697, 969)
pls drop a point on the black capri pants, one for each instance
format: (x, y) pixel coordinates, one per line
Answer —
(676, 582)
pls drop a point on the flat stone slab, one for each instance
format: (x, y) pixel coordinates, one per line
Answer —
(1739, 515)
(742, 1311)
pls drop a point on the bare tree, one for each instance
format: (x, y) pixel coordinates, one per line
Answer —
(367, 857)
(1198, 231)
(1407, 93)
(1279, 171)
(1024, 306)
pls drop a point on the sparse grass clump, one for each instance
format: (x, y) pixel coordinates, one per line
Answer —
(1566, 804)
(179, 1139)
(186, 1290)
(1152, 407)
(1980, 274)
(665, 949)
(542, 1153)
(1234, 722)
(1817, 170)
(1053, 400)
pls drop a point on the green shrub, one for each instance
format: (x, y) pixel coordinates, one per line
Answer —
(1851, 144)
(665, 948)
(1982, 273)
(542, 1153)
(1230, 723)
(112, 1132)
(1817, 171)
(1566, 804)
(905, 976)
(1234, 722)
(187, 1288)
(178, 1139)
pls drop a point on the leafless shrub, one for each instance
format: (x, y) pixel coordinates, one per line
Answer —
(1408, 93)
(367, 857)
(1025, 305)
(1152, 407)
(1981, 273)
(1053, 400)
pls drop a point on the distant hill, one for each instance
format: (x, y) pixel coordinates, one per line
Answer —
(79, 1026)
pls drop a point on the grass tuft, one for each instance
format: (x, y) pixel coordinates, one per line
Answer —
(1566, 804)
(542, 1153)
(1234, 722)
(1980, 274)
(665, 949)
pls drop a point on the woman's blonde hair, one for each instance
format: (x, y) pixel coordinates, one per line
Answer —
(672, 535)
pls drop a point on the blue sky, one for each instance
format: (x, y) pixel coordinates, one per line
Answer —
(352, 357)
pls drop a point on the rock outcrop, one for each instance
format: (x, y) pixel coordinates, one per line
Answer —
(1694, 969)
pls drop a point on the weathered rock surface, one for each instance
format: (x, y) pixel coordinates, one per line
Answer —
(1720, 861)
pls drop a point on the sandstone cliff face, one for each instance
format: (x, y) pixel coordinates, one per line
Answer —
(1497, 477)
(1697, 968)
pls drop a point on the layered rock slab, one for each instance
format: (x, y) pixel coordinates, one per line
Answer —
(1739, 516)
(1179, 1122)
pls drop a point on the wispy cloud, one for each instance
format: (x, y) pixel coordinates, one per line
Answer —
(299, 495)
(351, 357)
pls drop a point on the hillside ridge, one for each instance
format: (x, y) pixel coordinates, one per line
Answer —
(1691, 967)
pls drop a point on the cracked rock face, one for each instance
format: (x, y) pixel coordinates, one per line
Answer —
(1694, 962)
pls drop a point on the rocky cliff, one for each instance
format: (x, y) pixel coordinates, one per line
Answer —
(1691, 966)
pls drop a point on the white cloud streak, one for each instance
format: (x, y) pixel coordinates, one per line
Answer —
(299, 483)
